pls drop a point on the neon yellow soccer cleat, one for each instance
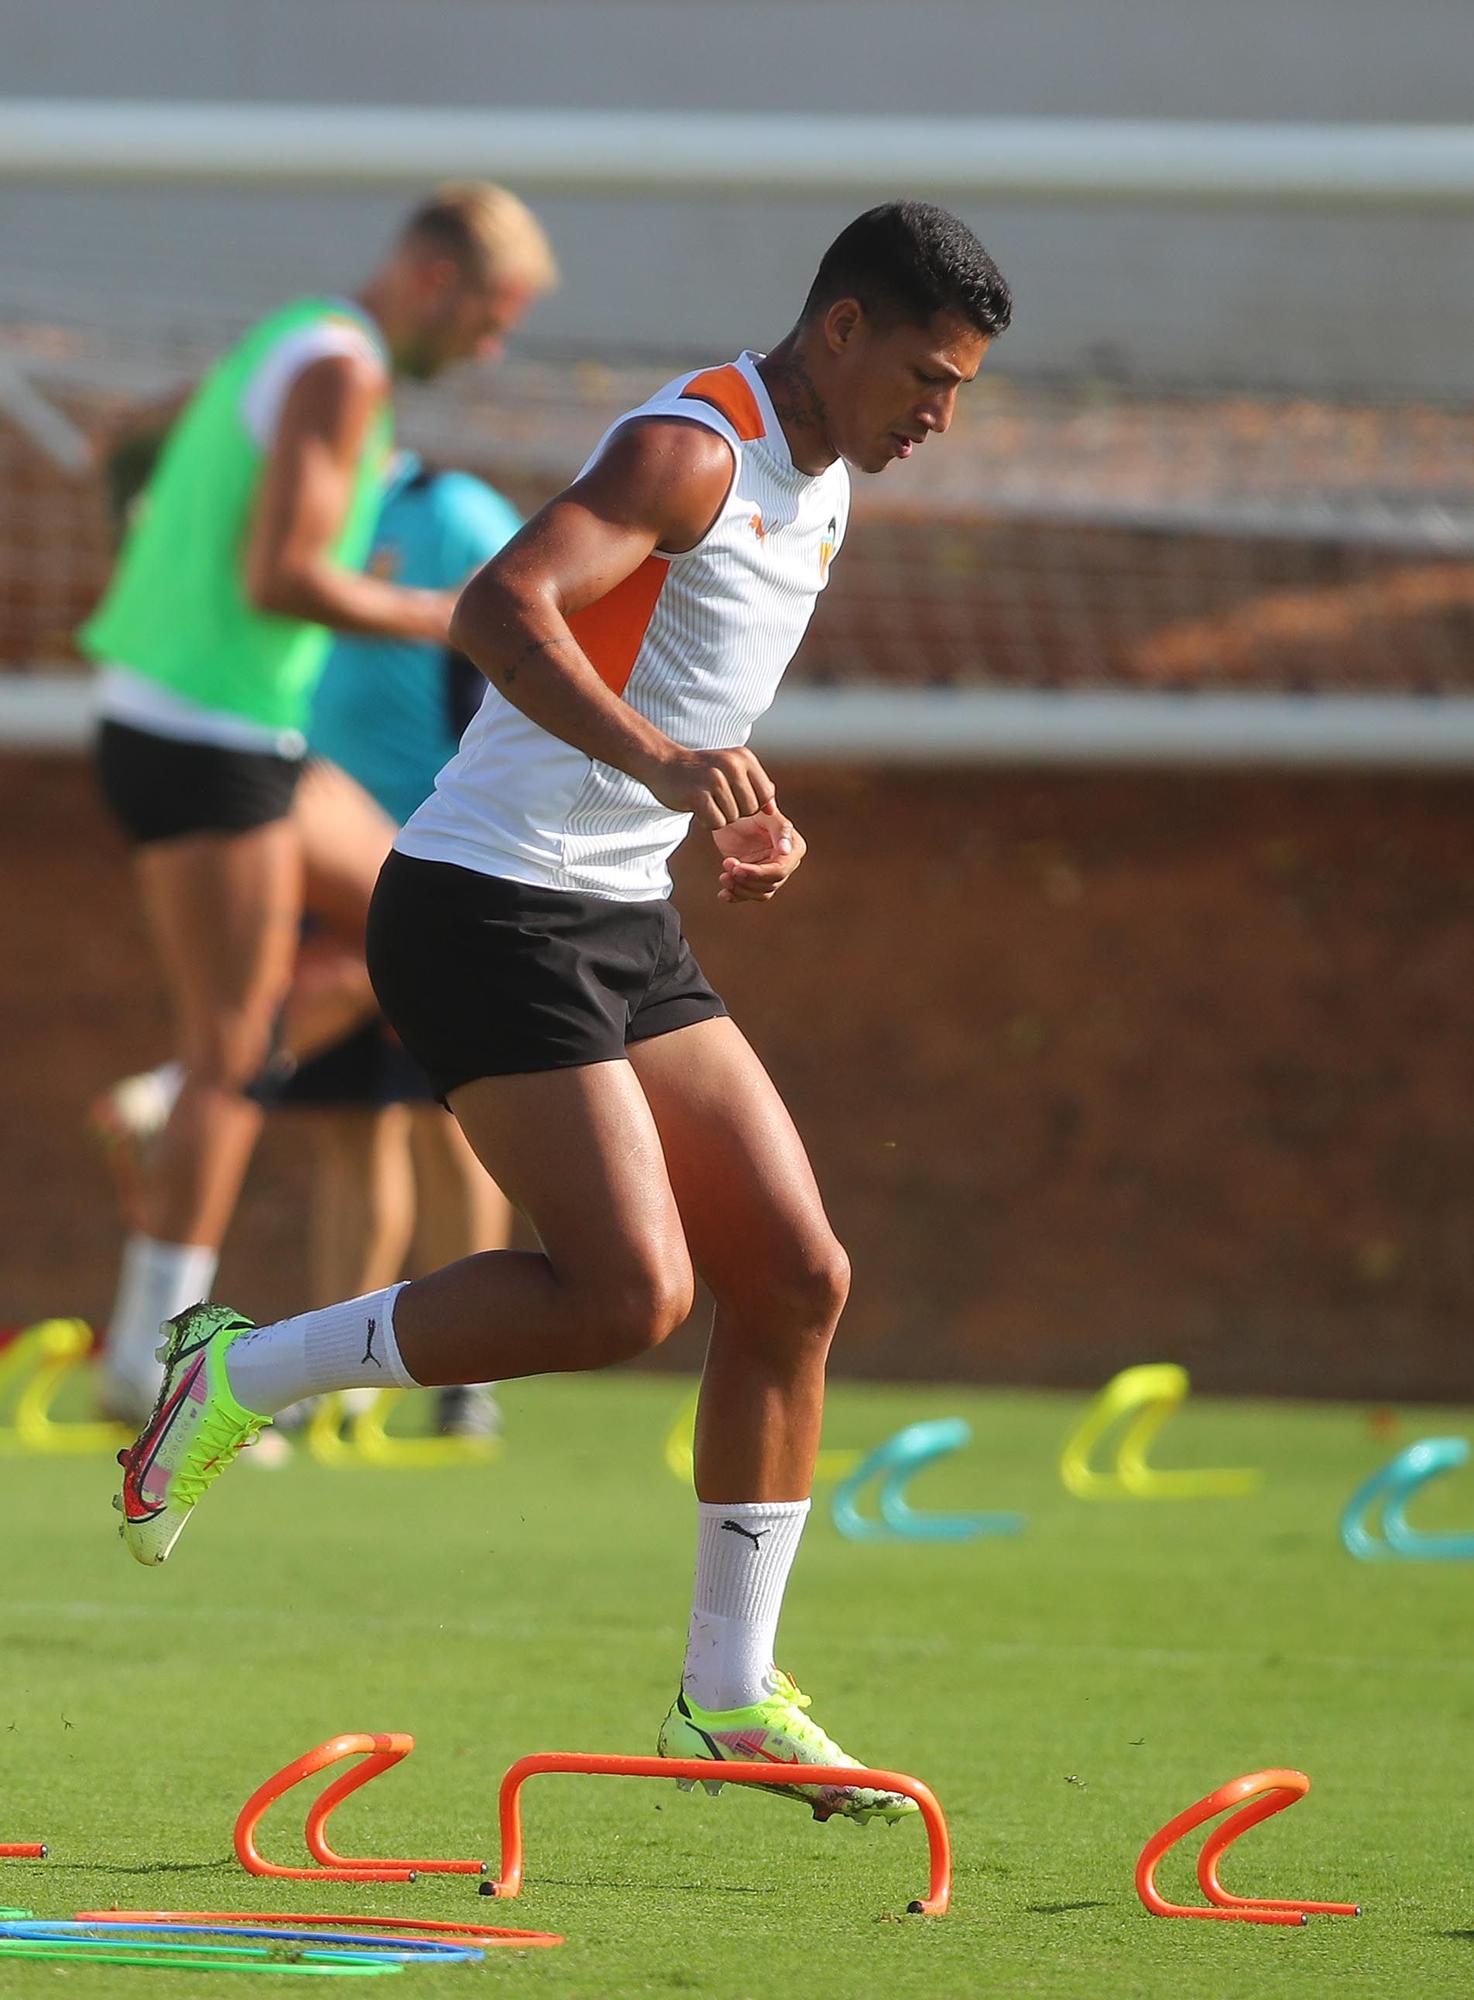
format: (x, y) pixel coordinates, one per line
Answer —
(775, 1731)
(196, 1429)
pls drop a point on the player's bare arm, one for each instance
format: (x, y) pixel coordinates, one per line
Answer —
(657, 488)
(306, 492)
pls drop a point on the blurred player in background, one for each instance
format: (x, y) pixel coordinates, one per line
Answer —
(243, 556)
(395, 1186)
(523, 944)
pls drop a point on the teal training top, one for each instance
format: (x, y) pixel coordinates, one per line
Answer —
(391, 711)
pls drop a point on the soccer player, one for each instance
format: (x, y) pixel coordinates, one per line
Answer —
(243, 555)
(522, 942)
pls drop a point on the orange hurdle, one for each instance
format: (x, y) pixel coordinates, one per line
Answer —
(22, 1850)
(1278, 1789)
(380, 1753)
(509, 1877)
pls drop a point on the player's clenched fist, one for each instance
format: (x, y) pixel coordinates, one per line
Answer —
(715, 786)
(758, 855)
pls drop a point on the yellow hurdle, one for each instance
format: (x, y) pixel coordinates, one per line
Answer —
(32, 1370)
(326, 1439)
(1142, 1399)
(339, 1435)
(680, 1450)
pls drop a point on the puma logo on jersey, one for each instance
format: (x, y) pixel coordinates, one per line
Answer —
(758, 527)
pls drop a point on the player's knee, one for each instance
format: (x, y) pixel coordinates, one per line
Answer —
(811, 1283)
(629, 1316)
(232, 1058)
(792, 1303)
(820, 1295)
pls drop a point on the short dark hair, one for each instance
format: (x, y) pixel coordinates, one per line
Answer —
(908, 260)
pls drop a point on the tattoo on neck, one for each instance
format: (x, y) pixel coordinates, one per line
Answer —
(794, 396)
(508, 673)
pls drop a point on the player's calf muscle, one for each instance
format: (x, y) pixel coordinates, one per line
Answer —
(511, 1313)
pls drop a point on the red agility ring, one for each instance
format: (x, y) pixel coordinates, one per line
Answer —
(430, 1927)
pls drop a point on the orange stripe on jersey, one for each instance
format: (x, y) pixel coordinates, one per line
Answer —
(612, 629)
(728, 390)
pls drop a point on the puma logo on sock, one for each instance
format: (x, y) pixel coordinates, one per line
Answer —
(736, 1528)
(368, 1349)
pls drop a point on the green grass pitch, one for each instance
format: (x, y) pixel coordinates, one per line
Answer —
(1064, 1693)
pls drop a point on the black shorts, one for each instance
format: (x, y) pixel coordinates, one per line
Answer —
(369, 1068)
(484, 977)
(160, 788)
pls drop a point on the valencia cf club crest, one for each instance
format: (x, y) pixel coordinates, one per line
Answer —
(826, 548)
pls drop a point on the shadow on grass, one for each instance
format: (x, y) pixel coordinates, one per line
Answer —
(220, 1867)
(622, 1888)
(1060, 1909)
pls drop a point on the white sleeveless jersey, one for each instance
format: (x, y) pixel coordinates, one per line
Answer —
(697, 643)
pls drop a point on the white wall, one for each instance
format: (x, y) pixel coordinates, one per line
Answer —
(1295, 300)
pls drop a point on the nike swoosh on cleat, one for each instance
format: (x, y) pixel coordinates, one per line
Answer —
(198, 1347)
(139, 1510)
(159, 1430)
(710, 1741)
(147, 1450)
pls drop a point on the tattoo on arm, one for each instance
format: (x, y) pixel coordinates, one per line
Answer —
(508, 673)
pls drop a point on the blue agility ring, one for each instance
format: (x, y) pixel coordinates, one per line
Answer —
(1393, 1488)
(895, 1463)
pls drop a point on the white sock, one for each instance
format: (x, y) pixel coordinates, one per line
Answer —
(349, 1346)
(145, 1102)
(166, 1080)
(157, 1280)
(743, 1556)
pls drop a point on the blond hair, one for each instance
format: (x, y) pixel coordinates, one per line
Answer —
(492, 236)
